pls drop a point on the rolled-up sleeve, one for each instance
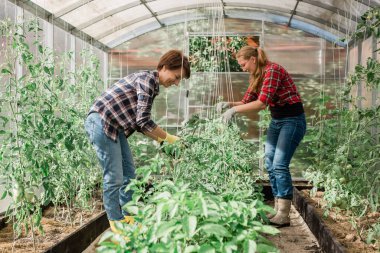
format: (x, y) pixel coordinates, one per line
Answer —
(249, 96)
(144, 106)
(271, 82)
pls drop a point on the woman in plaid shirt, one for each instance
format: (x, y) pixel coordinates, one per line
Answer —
(271, 85)
(121, 110)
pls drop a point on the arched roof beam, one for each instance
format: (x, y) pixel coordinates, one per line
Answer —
(71, 8)
(279, 10)
(267, 17)
(293, 12)
(143, 2)
(370, 3)
(330, 8)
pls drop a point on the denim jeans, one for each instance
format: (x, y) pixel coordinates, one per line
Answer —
(283, 137)
(117, 163)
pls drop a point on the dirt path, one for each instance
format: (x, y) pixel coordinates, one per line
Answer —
(296, 238)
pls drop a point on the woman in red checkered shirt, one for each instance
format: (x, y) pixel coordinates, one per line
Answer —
(270, 85)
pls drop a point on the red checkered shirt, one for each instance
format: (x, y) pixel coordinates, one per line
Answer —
(127, 104)
(277, 89)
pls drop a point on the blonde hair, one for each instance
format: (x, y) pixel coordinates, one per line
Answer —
(256, 78)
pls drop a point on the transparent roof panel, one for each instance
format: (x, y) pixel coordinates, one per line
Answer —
(97, 10)
(58, 7)
(130, 32)
(273, 4)
(118, 21)
(165, 5)
(109, 20)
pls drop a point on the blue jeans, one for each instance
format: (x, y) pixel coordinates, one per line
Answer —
(283, 137)
(117, 163)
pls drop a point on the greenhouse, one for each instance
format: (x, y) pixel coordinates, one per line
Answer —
(179, 126)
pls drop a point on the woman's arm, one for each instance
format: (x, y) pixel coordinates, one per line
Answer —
(157, 132)
(235, 103)
(256, 105)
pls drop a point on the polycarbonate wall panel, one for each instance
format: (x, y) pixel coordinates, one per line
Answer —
(367, 52)
(285, 50)
(7, 10)
(62, 41)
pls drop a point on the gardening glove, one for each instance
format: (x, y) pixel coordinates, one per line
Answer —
(221, 105)
(226, 117)
(169, 138)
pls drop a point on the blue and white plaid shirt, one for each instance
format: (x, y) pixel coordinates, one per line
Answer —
(127, 104)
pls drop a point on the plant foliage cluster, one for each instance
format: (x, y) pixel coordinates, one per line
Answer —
(198, 195)
(344, 143)
(45, 156)
(215, 54)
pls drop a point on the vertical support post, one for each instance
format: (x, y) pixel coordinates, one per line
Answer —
(359, 91)
(48, 34)
(187, 82)
(105, 69)
(261, 131)
(72, 49)
(19, 20)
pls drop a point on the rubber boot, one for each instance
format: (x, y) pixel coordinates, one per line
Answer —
(282, 219)
(271, 215)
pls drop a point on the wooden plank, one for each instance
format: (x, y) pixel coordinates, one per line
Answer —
(80, 239)
(326, 239)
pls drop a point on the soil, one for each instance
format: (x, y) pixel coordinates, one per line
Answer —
(56, 228)
(338, 222)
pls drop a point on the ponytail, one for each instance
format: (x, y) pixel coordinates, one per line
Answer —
(255, 78)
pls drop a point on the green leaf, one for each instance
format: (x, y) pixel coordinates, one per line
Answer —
(215, 229)
(166, 228)
(249, 246)
(162, 195)
(160, 248)
(31, 86)
(190, 225)
(206, 249)
(191, 248)
(204, 207)
(132, 209)
(264, 248)
(2, 132)
(6, 71)
(269, 230)
(4, 195)
(69, 144)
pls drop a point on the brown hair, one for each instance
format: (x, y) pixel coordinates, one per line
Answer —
(174, 59)
(256, 78)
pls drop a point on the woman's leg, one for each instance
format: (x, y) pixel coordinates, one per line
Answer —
(292, 130)
(128, 171)
(270, 148)
(110, 158)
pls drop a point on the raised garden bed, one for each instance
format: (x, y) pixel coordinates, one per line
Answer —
(81, 238)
